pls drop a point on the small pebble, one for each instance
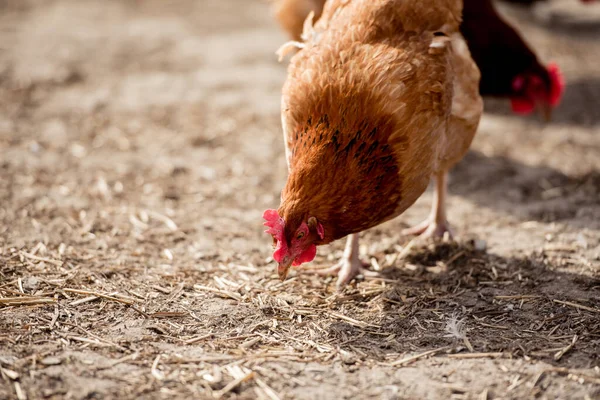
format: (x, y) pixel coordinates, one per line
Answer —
(51, 361)
(31, 283)
(347, 357)
(480, 245)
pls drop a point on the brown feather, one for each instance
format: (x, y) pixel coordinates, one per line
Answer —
(368, 111)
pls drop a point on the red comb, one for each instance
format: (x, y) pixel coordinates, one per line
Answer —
(557, 84)
(275, 224)
(271, 215)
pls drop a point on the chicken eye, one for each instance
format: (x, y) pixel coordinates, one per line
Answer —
(300, 236)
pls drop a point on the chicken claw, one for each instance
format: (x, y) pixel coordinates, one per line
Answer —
(430, 229)
(436, 225)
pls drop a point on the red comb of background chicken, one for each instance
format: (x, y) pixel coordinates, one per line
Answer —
(521, 105)
(557, 84)
(526, 104)
(276, 226)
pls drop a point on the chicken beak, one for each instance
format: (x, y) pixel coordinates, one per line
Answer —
(284, 267)
(545, 110)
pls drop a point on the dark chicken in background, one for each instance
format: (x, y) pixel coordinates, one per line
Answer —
(382, 98)
(509, 68)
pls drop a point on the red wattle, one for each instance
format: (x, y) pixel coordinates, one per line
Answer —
(280, 251)
(307, 256)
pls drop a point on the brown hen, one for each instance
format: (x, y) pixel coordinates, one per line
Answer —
(383, 97)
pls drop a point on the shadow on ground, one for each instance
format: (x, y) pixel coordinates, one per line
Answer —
(520, 307)
(536, 192)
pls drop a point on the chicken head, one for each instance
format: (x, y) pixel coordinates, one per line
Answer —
(297, 248)
(535, 90)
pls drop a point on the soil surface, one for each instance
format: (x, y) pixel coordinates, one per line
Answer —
(140, 142)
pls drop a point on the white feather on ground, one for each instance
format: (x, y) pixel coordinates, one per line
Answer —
(456, 327)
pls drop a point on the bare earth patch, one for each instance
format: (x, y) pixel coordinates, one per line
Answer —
(140, 143)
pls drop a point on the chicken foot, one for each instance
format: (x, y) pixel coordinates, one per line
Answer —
(436, 225)
(349, 265)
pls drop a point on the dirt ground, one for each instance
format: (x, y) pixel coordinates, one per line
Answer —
(140, 142)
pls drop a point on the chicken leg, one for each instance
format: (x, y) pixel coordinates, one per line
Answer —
(436, 225)
(349, 265)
